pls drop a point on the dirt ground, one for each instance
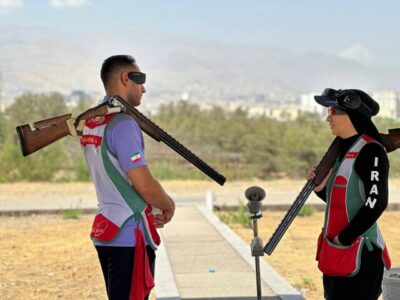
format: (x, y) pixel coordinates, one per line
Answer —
(49, 257)
(294, 257)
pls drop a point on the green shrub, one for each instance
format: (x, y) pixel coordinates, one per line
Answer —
(306, 211)
(241, 216)
(71, 214)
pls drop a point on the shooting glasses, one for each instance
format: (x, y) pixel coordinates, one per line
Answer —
(137, 77)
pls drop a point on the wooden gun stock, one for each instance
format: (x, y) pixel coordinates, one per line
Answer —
(42, 133)
(391, 141)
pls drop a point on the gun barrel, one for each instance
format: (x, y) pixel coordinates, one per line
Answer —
(171, 142)
(289, 217)
(322, 170)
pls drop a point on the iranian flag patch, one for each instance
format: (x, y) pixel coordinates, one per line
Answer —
(135, 157)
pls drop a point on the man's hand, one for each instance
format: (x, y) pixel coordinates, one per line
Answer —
(162, 217)
(159, 220)
(169, 213)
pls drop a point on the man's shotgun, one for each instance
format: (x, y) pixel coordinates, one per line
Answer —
(40, 134)
(391, 142)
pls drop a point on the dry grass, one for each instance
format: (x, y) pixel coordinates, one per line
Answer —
(47, 257)
(294, 257)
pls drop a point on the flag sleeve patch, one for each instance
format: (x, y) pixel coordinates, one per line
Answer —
(135, 157)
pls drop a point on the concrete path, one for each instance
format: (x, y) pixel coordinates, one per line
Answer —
(208, 261)
(200, 257)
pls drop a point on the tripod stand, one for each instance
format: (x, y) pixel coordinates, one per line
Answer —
(255, 195)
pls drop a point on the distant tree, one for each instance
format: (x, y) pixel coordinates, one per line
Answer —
(34, 107)
(3, 130)
(81, 171)
(46, 165)
(83, 104)
(235, 144)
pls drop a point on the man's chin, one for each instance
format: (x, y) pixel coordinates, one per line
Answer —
(136, 102)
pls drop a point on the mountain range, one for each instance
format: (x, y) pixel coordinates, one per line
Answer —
(42, 60)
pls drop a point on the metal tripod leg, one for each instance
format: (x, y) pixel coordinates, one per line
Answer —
(257, 251)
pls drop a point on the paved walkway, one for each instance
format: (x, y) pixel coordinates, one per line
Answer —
(208, 261)
(200, 257)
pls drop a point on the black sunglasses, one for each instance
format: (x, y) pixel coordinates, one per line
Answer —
(137, 77)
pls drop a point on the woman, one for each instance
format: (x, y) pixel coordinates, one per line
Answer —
(351, 250)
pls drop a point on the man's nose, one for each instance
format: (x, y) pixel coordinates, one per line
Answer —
(143, 89)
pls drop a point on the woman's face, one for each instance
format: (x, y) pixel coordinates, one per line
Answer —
(339, 122)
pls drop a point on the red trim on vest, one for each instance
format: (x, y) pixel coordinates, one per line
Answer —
(351, 154)
(98, 121)
(337, 208)
(386, 258)
(340, 180)
(90, 139)
(103, 229)
(368, 138)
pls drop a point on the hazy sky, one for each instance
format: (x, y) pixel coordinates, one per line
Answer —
(367, 31)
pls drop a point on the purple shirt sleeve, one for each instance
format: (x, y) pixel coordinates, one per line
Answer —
(125, 141)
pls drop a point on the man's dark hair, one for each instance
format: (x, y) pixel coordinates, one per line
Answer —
(112, 63)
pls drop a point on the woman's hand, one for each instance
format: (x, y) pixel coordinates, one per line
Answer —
(336, 241)
(322, 185)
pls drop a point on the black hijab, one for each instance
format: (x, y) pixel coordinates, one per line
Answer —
(364, 125)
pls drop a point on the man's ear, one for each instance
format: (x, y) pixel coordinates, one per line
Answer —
(123, 77)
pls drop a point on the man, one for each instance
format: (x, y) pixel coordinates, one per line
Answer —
(123, 230)
(351, 250)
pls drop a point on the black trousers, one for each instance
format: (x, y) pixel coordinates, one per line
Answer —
(117, 266)
(366, 285)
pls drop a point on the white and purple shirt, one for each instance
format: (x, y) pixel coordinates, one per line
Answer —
(108, 161)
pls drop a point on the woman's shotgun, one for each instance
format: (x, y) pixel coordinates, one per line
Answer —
(391, 141)
(40, 134)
